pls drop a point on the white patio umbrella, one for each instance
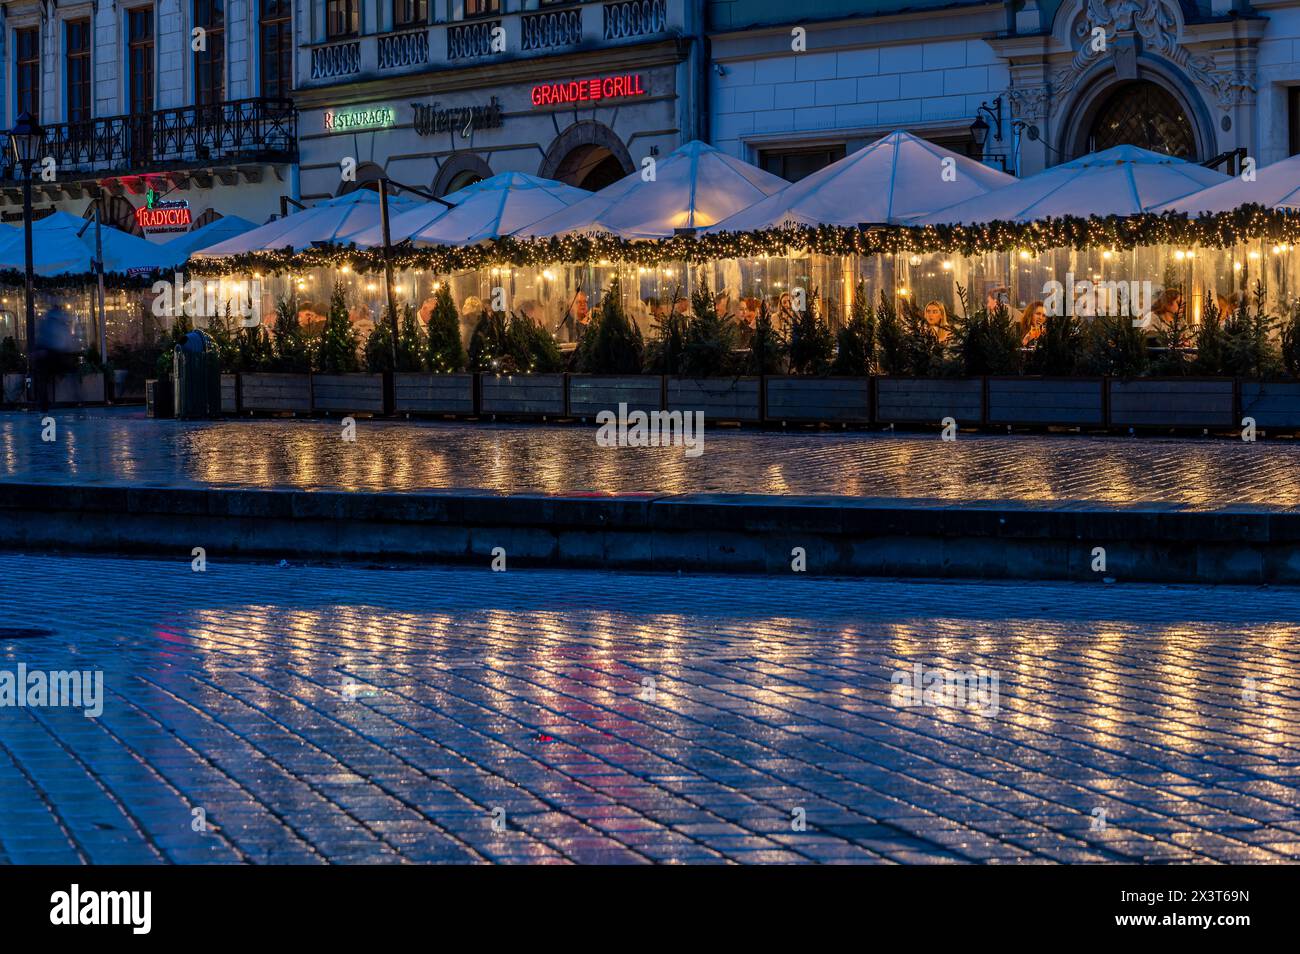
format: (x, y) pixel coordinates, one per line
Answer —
(488, 209)
(58, 250)
(179, 249)
(1275, 186)
(1122, 180)
(334, 220)
(694, 186)
(893, 180)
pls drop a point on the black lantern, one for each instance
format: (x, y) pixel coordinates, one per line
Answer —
(979, 131)
(25, 138)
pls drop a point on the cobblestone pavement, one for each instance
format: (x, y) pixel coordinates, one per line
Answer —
(377, 715)
(117, 445)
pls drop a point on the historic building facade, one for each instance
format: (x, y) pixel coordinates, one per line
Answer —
(187, 99)
(1059, 77)
(440, 93)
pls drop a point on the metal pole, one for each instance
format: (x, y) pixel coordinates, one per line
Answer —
(388, 267)
(99, 273)
(31, 299)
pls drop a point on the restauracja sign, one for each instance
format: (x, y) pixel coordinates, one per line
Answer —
(588, 90)
(346, 120)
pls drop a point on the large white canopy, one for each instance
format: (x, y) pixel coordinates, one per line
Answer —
(485, 210)
(893, 180)
(1122, 180)
(693, 186)
(1275, 186)
(178, 250)
(334, 220)
(57, 250)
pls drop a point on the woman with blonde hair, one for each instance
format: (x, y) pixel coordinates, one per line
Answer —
(936, 316)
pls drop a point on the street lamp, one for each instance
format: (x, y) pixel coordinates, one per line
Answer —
(25, 138)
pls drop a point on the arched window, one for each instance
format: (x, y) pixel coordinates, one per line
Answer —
(1142, 113)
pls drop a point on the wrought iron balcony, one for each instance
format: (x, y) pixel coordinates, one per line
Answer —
(398, 50)
(553, 30)
(245, 130)
(468, 40)
(340, 59)
(635, 18)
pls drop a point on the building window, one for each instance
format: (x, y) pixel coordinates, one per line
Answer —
(409, 13)
(1143, 114)
(276, 60)
(78, 45)
(1293, 119)
(27, 44)
(481, 8)
(342, 18)
(139, 31)
(794, 164)
(210, 62)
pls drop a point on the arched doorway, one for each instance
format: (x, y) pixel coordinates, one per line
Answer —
(591, 168)
(460, 169)
(588, 155)
(1141, 113)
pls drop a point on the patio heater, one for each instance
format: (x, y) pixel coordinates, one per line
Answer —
(24, 138)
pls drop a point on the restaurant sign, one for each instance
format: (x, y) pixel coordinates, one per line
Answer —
(353, 120)
(589, 90)
(157, 217)
(432, 118)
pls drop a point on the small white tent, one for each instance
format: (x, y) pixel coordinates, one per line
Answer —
(334, 220)
(1122, 180)
(58, 250)
(694, 186)
(179, 249)
(485, 210)
(893, 180)
(1275, 186)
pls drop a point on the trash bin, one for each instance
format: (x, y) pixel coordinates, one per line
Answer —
(197, 376)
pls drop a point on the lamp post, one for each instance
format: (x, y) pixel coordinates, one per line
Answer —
(25, 137)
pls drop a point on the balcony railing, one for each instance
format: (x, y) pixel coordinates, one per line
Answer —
(635, 18)
(468, 40)
(398, 50)
(340, 59)
(245, 130)
(551, 31)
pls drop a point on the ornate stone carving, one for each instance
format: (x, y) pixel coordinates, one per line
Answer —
(1235, 88)
(1028, 102)
(1157, 26)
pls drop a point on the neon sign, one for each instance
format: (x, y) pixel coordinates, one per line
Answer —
(158, 216)
(338, 120)
(589, 90)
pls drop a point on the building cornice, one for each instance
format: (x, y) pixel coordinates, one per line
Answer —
(488, 76)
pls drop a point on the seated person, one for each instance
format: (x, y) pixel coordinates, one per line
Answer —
(936, 316)
(576, 320)
(747, 318)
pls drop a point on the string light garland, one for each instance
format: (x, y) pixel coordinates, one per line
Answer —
(1217, 230)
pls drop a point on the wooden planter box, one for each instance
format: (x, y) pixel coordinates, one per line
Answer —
(426, 393)
(1172, 402)
(264, 391)
(929, 400)
(1034, 400)
(1271, 403)
(523, 395)
(15, 387)
(589, 394)
(721, 399)
(229, 393)
(79, 388)
(833, 400)
(347, 393)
